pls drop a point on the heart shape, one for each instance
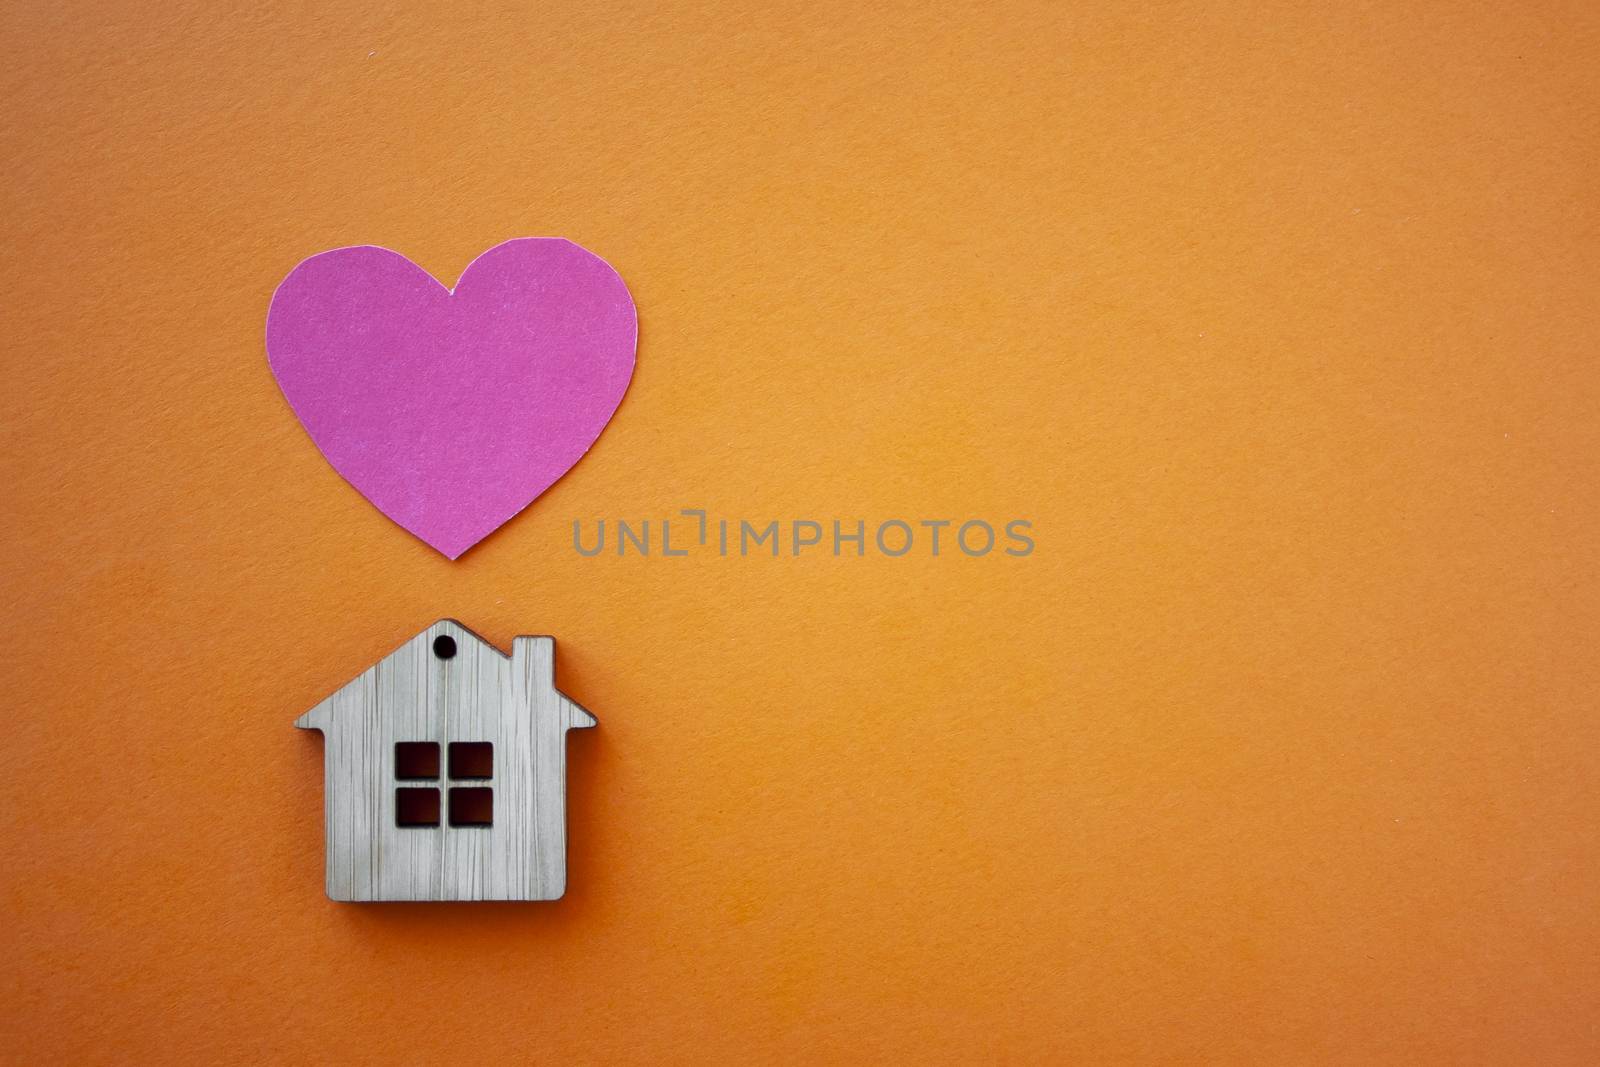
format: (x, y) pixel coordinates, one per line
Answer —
(452, 410)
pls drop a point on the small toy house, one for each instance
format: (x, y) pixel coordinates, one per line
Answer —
(446, 772)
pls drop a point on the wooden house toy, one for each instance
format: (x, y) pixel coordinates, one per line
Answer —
(446, 772)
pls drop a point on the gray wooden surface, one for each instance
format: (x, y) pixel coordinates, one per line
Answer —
(479, 694)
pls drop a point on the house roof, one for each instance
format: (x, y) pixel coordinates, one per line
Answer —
(315, 718)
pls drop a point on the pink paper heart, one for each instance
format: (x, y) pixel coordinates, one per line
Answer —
(452, 410)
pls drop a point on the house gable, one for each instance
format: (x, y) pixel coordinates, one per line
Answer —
(468, 646)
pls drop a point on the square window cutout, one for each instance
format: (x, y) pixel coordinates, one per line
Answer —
(416, 807)
(416, 759)
(472, 806)
(471, 759)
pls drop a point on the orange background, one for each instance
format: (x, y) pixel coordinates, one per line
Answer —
(1279, 323)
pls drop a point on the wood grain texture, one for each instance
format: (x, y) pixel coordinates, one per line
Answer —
(478, 694)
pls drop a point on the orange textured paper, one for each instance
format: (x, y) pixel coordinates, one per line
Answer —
(1278, 321)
